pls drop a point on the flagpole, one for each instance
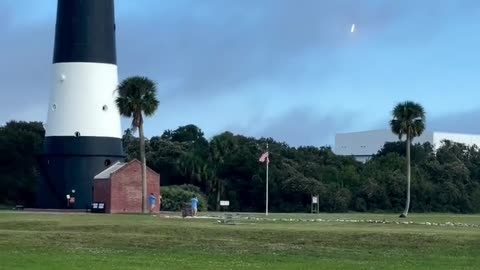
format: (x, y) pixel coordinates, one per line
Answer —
(266, 189)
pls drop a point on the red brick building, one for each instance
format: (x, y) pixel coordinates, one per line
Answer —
(120, 187)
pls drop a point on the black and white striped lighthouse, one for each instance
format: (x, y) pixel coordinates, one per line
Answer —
(83, 130)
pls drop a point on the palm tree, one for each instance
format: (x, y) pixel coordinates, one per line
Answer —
(409, 121)
(221, 146)
(137, 97)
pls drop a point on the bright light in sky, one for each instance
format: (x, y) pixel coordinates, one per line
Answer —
(353, 28)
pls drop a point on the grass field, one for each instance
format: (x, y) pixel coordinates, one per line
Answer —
(88, 241)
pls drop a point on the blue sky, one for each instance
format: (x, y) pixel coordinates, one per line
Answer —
(285, 69)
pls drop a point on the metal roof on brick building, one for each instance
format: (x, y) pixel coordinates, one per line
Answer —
(105, 174)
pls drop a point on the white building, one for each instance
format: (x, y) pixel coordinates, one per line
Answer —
(362, 145)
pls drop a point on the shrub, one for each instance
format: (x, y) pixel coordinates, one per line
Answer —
(174, 197)
(342, 200)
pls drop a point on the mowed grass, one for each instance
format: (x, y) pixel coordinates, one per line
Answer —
(89, 241)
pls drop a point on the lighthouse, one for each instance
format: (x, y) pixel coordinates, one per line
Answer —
(83, 133)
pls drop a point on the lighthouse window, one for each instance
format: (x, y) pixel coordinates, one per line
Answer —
(105, 108)
(77, 134)
(54, 107)
(107, 162)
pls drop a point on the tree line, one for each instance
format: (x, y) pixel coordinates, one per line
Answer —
(226, 167)
(207, 161)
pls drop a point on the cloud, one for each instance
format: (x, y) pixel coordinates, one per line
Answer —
(213, 47)
(200, 52)
(25, 67)
(454, 122)
(461, 122)
(194, 52)
(303, 126)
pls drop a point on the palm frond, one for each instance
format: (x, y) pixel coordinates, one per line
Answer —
(137, 96)
(408, 119)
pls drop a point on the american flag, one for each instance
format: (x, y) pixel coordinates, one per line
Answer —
(264, 157)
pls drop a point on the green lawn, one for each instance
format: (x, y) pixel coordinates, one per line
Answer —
(86, 241)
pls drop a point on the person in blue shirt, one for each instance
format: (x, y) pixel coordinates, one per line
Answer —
(151, 201)
(194, 202)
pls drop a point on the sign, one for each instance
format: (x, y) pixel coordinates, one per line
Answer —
(98, 207)
(314, 199)
(224, 203)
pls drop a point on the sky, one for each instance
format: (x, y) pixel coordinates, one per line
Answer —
(286, 69)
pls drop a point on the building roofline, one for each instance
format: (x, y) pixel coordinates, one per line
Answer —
(96, 177)
(130, 162)
(456, 133)
(426, 131)
(123, 165)
(362, 131)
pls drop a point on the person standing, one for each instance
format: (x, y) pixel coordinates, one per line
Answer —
(194, 203)
(151, 200)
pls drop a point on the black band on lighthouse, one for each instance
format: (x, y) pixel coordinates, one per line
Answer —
(83, 146)
(85, 32)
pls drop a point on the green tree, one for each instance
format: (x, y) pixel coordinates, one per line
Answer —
(409, 121)
(175, 197)
(166, 157)
(227, 167)
(20, 143)
(137, 97)
(188, 133)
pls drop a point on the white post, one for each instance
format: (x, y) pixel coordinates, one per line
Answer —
(266, 190)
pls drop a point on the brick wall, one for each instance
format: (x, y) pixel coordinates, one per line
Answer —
(126, 188)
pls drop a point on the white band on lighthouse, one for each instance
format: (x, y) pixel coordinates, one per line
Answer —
(82, 101)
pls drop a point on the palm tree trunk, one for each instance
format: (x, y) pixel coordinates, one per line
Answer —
(407, 205)
(144, 169)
